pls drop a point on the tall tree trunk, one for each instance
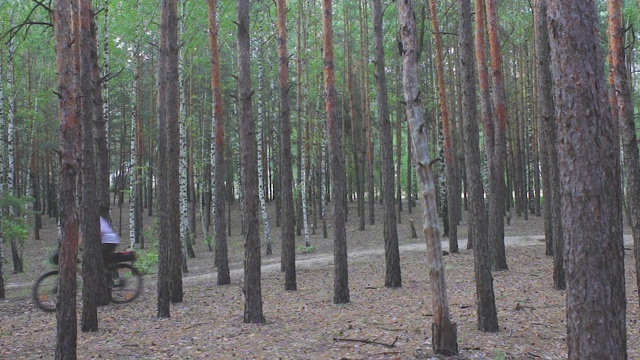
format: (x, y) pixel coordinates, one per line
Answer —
(169, 254)
(450, 164)
(355, 117)
(589, 151)
(551, 175)
(92, 266)
(286, 173)
(445, 339)
(18, 266)
(366, 113)
(66, 317)
(218, 154)
(252, 287)
(487, 313)
(498, 192)
(173, 152)
(338, 178)
(101, 113)
(393, 277)
(262, 171)
(623, 95)
(185, 241)
(2, 147)
(485, 101)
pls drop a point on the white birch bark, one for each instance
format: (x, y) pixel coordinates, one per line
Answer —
(132, 167)
(303, 188)
(263, 204)
(213, 173)
(11, 146)
(105, 67)
(133, 173)
(183, 170)
(323, 168)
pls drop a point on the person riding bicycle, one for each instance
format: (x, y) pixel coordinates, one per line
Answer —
(108, 237)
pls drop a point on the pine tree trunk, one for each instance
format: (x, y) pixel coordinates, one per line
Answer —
(393, 277)
(546, 110)
(249, 177)
(218, 153)
(173, 152)
(590, 172)
(450, 164)
(66, 317)
(498, 192)
(288, 258)
(92, 266)
(445, 340)
(623, 95)
(338, 178)
(2, 147)
(487, 313)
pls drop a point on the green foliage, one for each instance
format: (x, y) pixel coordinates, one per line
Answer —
(14, 229)
(500, 355)
(307, 249)
(147, 262)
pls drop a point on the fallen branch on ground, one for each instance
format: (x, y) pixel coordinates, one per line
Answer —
(367, 341)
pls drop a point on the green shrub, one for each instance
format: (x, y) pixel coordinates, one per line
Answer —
(147, 262)
(307, 249)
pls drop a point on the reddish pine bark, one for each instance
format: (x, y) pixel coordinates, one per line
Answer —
(286, 172)
(338, 177)
(588, 147)
(68, 142)
(249, 173)
(220, 234)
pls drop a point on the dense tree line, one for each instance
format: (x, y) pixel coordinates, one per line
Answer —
(185, 110)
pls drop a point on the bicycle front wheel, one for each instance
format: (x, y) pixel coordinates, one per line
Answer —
(45, 291)
(126, 285)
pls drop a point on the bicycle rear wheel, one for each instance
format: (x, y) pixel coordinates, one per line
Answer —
(127, 285)
(45, 291)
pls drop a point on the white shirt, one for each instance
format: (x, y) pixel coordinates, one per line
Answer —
(107, 235)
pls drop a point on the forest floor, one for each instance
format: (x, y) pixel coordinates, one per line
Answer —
(378, 323)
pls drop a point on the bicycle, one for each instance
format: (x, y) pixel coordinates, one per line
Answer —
(124, 282)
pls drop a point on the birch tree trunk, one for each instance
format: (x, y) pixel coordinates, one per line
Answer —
(136, 113)
(444, 331)
(260, 135)
(16, 251)
(183, 166)
(102, 123)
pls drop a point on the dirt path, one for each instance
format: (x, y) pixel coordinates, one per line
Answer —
(311, 261)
